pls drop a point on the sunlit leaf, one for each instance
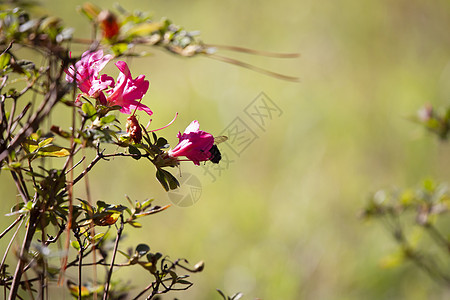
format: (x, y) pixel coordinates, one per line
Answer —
(237, 296)
(124, 254)
(5, 59)
(73, 288)
(154, 210)
(89, 110)
(108, 119)
(135, 224)
(143, 29)
(75, 245)
(119, 48)
(392, 260)
(105, 219)
(90, 10)
(53, 151)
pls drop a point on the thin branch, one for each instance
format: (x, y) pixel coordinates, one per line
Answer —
(11, 241)
(54, 95)
(91, 165)
(76, 165)
(11, 226)
(20, 187)
(32, 224)
(252, 67)
(438, 236)
(116, 245)
(254, 52)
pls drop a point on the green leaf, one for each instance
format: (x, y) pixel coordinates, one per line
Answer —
(108, 119)
(5, 60)
(154, 257)
(89, 110)
(237, 296)
(97, 237)
(75, 245)
(119, 48)
(162, 179)
(142, 249)
(135, 151)
(168, 181)
(182, 281)
(23, 209)
(30, 145)
(124, 254)
(429, 185)
(143, 29)
(45, 142)
(146, 204)
(135, 224)
(173, 182)
(53, 151)
(392, 260)
(162, 143)
(222, 294)
(90, 10)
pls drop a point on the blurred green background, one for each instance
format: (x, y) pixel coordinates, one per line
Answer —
(282, 222)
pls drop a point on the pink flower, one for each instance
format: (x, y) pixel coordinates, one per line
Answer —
(127, 91)
(194, 144)
(87, 73)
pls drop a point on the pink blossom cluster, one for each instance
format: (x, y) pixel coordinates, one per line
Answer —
(194, 144)
(125, 92)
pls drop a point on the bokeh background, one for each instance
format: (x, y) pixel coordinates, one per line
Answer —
(282, 221)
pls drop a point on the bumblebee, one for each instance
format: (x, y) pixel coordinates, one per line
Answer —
(216, 156)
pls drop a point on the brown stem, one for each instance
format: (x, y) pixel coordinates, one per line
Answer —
(53, 96)
(253, 68)
(116, 245)
(254, 52)
(11, 226)
(32, 224)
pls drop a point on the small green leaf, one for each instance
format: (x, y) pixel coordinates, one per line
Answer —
(124, 254)
(135, 151)
(119, 48)
(146, 204)
(142, 249)
(15, 165)
(143, 29)
(154, 257)
(53, 151)
(30, 145)
(45, 142)
(162, 143)
(162, 179)
(167, 180)
(75, 245)
(135, 224)
(108, 119)
(173, 182)
(237, 296)
(392, 260)
(90, 10)
(29, 205)
(5, 60)
(222, 294)
(89, 110)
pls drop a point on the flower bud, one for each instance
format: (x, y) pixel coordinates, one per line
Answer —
(108, 24)
(133, 128)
